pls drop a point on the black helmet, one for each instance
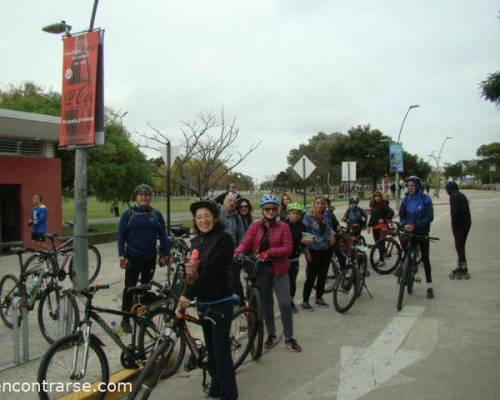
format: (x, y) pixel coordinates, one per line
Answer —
(354, 200)
(207, 203)
(143, 188)
(415, 179)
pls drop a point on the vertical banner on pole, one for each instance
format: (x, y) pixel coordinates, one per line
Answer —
(82, 102)
(396, 157)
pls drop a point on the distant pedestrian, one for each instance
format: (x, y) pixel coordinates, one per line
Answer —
(115, 208)
(461, 222)
(393, 190)
(244, 208)
(38, 220)
(285, 200)
(140, 228)
(231, 188)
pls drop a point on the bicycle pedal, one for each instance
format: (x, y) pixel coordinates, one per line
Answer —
(418, 280)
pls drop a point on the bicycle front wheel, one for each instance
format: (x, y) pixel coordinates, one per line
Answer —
(403, 279)
(258, 343)
(151, 374)
(330, 279)
(242, 334)
(391, 256)
(345, 290)
(62, 368)
(8, 287)
(58, 314)
(94, 263)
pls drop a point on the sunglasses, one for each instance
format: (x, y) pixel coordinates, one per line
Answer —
(268, 209)
(243, 206)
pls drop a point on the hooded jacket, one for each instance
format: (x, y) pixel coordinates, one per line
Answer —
(39, 218)
(459, 206)
(416, 209)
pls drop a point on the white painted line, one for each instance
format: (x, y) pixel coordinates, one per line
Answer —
(363, 370)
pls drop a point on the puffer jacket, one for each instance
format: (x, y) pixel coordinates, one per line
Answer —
(280, 244)
(416, 209)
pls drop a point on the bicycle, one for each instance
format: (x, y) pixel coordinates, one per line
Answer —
(409, 265)
(253, 300)
(386, 253)
(351, 279)
(37, 282)
(65, 251)
(179, 251)
(81, 354)
(176, 329)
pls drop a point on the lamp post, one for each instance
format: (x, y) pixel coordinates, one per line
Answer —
(398, 194)
(80, 227)
(436, 191)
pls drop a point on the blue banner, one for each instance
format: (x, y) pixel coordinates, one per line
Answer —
(396, 157)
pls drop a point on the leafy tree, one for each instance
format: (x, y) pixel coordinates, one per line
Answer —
(414, 165)
(490, 155)
(490, 88)
(30, 97)
(116, 168)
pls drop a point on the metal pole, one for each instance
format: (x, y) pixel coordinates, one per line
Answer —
(304, 178)
(168, 187)
(437, 171)
(349, 179)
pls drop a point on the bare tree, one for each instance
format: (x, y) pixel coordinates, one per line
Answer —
(208, 151)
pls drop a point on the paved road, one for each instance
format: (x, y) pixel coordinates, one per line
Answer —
(446, 348)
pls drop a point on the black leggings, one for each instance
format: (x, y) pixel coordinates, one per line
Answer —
(135, 268)
(460, 233)
(292, 274)
(376, 237)
(219, 351)
(317, 268)
(424, 251)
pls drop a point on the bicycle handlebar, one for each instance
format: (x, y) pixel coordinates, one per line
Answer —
(89, 290)
(418, 237)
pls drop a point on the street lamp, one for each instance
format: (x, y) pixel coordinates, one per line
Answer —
(80, 227)
(438, 173)
(398, 194)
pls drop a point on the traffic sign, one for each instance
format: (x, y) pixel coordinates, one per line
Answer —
(349, 171)
(304, 167)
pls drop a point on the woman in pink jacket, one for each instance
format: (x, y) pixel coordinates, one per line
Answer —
(271, 241)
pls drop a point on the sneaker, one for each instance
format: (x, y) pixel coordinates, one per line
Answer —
(125, 325)
(320, 302)
(270, 342)
(381, 264)
(306, 306)
(294, 308)
(430, 293)
(292, 345)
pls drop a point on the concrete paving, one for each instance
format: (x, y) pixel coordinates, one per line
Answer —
(445, 348)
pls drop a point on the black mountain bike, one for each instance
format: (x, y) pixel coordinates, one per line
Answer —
(80, 357)
(58, 313)
(409, 264)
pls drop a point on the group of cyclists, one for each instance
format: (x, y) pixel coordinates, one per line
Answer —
(225, 229)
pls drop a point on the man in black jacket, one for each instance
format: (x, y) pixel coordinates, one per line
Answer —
(460, 224)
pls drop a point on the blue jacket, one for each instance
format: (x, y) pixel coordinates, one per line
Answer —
(139, 231)
(416, 209)
(39, 218)
(321, 230)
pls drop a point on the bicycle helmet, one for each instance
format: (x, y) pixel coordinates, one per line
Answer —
(205, 202)
(354, 200)
(415, 179)
(269, 199)
(294, 207)
(143, 188)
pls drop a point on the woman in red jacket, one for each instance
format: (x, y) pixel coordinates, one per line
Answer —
(271, 241)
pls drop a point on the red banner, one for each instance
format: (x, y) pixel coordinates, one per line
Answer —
(80, 92)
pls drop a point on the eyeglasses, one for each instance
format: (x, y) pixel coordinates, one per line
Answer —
(269, 209)
(243, 206)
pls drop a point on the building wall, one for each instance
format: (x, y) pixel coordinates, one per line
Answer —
(35, 175)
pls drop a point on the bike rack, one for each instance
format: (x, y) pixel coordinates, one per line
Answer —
(20, 334)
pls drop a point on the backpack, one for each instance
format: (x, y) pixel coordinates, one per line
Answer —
(132, 213)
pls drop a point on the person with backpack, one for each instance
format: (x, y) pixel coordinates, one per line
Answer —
(140, 228)
(355, 215)
(461, 222)
(271, 242)
(380, 214)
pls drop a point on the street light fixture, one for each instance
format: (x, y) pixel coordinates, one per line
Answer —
(398, 194)
(438, 173)
(58, 28)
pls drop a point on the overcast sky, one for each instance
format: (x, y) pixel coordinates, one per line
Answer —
(286, 69)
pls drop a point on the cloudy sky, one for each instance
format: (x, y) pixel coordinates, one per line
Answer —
(285, 69)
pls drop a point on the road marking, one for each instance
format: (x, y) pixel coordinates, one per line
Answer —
(365, 369)
(441, 216)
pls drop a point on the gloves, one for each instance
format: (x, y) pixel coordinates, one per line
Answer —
(263, 256)
(123, 263)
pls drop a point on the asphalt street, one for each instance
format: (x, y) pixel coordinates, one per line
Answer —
(444, 348)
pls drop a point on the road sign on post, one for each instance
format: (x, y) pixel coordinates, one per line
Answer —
(349, 174)
(304, 167)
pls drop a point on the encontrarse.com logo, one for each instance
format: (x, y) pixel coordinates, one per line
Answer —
(63, 387)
